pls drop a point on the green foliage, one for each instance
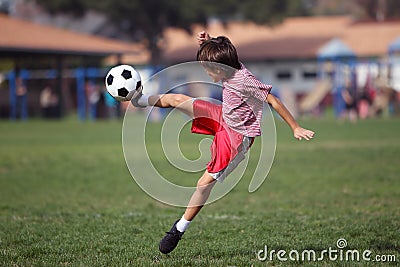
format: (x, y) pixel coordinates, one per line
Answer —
(393, 9)
(264, 11)
(67, 199)
(148, 19)
(74, 7)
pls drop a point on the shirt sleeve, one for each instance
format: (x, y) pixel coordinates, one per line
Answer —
(257, 89)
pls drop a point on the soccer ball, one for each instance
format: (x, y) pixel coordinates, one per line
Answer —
(122, 82)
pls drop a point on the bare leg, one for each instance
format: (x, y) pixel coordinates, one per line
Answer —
(206, 182)
(179, 101)
(200, 196)
(204, 185)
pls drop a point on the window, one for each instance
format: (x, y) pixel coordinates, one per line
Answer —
(307, 74)
(284, 75)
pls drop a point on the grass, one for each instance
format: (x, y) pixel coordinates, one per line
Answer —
(67, 199)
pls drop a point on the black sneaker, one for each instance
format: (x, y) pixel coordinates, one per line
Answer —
(170, 240)
(135, 98)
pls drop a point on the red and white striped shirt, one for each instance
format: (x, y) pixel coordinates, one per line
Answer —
(243, 97)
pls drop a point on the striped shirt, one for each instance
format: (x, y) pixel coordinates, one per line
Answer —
(243, 97)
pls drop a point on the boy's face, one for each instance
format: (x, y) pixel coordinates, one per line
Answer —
(215, 74)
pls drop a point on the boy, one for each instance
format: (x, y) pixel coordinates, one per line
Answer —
(234, 124)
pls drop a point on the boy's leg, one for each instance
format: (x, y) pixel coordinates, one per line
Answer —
(182, 102)
(200, 196)
(207, 122)
(197, 201)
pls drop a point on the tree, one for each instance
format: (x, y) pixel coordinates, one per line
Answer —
(74, 7)
(147, 20)
(5, 6)
(379, 10)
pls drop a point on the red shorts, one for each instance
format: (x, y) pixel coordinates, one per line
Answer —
(226, 144)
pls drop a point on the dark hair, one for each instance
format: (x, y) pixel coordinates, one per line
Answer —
(219, 50)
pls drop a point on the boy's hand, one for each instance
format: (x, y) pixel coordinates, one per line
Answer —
(300, 133)
(202, 36)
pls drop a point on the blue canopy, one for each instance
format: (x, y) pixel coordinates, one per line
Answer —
(394, 46)
(334, 49)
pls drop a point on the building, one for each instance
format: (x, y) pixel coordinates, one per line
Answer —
(39, 53)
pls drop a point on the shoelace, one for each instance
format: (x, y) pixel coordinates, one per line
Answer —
(175, 234)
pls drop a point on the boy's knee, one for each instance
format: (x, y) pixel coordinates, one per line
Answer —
(178, 99)
(204, 187)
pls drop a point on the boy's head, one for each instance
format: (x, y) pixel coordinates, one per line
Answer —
(219, 50)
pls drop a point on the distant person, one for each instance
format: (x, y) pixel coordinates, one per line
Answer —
(48, 102)
(111, 105)
(21, 92)
(366, 97)
(93, 97)
(234, 124)
(349, 95)
(364, 102)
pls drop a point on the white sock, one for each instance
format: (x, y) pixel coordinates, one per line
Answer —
(144, 100)
(182, 225)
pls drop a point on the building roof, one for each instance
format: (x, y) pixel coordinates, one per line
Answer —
(371, 39)
(335, 49)
(395, 46)
(19, 36)
(294, 38)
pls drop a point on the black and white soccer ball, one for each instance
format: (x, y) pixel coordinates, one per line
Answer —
(122, 82)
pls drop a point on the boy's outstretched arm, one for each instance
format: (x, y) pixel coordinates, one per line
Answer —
(298, 132)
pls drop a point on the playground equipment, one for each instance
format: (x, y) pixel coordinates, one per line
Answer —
(394, 62)
(342, 59)
(315, 96)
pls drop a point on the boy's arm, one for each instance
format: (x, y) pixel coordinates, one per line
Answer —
(299, 132)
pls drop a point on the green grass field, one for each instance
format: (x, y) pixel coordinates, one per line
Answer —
(67, 199)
